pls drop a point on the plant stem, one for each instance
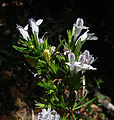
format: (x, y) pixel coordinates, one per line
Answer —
(72, 114)
(83, 91)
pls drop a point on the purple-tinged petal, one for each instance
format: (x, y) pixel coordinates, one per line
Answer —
(82, 59)
(78, 28)
(87, 53)
(71, 58)
(79, 22)
(90, 60)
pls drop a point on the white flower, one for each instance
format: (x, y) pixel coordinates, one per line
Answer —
(78, 27)
(86, 60)
(48, 115)
(35, 26)
(86, 53)
(88, 36)
(91, 36)
(82, 59)
(72, 63)
(23, 31)
(89, 59)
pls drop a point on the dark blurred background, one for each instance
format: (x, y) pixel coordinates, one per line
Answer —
(58, 16)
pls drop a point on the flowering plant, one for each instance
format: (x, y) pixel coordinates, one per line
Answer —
(60, 73)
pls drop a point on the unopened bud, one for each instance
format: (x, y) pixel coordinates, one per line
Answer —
(47, 56)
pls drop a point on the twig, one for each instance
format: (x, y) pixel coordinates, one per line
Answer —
(83, 80)
(105, 101)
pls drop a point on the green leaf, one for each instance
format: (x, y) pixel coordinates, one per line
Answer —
(85, 104)
(60, 38)
(80, 101)
(23, 43)
(40, 84)
(69, 33)
(77, 49)
(74, 117)
(45, 44)
(40, 105)
(35, 40)
(21, 49)
(73, 30)
(95, 59)
(29, 56)
(39, 72)
(83, 42)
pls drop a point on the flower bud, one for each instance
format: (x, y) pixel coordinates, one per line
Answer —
(47, 56)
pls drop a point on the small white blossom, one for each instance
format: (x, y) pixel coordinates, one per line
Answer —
(23, 31)
(48, 115)
(89, 59)
(82, 59)
(79, 25)
(86, 35)
(91, 36)
(35, 26)
(72, 63)
(86, 60)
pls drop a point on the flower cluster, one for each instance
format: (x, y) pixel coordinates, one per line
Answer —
(83, 63)
(48, 115)
(85, 59)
